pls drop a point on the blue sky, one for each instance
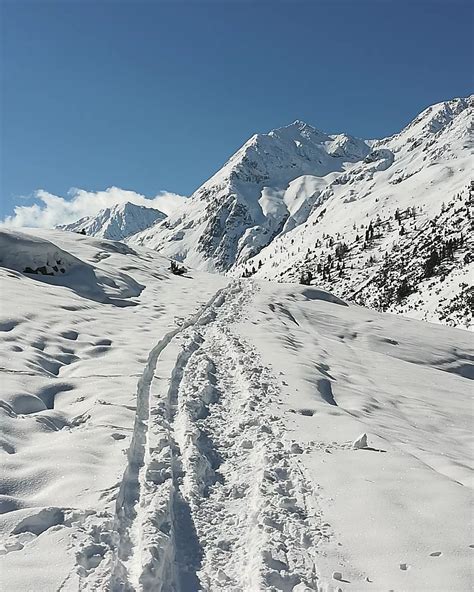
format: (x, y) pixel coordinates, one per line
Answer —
(156, 96)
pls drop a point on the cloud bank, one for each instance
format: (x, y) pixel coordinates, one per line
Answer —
(51, 210)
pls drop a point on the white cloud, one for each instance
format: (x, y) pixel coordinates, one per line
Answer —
(53, 210)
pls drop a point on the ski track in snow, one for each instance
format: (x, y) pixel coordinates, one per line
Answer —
(213, 496)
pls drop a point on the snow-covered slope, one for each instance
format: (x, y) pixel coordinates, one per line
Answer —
(164, 433)
(282, 204)
(267, 187)
(411, 195)
(117, 222)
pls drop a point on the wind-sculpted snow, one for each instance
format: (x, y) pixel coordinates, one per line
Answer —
(227, 434)
(43, 261)
(30, 254)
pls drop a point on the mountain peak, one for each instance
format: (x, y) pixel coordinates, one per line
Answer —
(297, 127)
(296, 180)
(432, 121)
(300, 124)
(117, 222)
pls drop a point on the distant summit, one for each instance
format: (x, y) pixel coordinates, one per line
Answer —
(117, 222)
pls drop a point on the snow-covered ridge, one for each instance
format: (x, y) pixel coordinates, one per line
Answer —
(430, 121)
(251, 199)
(276, 181)
(412, 190)
(296, 187)
(117, 222)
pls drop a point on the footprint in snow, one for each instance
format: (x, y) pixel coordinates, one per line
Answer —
(117, 436)
(295, 448)
(404, 566)
(337, 575)
(307, 412)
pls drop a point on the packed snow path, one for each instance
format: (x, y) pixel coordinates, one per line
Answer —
(212, 498)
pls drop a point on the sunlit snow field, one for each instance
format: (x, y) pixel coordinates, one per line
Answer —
(196, 432)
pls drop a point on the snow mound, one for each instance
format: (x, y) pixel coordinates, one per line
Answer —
(31, 254)
(316, 294)
(40, 259)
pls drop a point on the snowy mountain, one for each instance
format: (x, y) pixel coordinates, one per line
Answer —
(372, 236)
(268, 187)
(287, 200)
(117, 222)
(203, 432)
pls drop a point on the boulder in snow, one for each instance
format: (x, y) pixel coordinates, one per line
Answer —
(360, 442)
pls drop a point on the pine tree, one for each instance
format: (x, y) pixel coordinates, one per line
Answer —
(403, 290)
(431, 263)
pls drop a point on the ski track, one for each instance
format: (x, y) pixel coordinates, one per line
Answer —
(213, 496)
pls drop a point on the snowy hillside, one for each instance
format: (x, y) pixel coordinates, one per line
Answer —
(165, 433)
(411, 262)
(117, 222)
(380, 223)
(267, 187)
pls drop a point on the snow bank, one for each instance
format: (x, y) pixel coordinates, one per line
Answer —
(41, 259)
(31, 254)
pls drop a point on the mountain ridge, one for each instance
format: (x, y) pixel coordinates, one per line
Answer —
(116, 222)
(296, 185)
(231, 216)
(282, 204)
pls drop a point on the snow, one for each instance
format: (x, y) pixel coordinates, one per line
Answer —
(272, 209)
(425, 166)
(197, 432)
(390, 377)
(37, 257)
(20, 252)
(243, 206)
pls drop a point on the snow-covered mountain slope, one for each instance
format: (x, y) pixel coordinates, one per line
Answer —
(412, 262)
(267, 187)
(195, 432)
(282, 204)
(412, 194)
(117, 222)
